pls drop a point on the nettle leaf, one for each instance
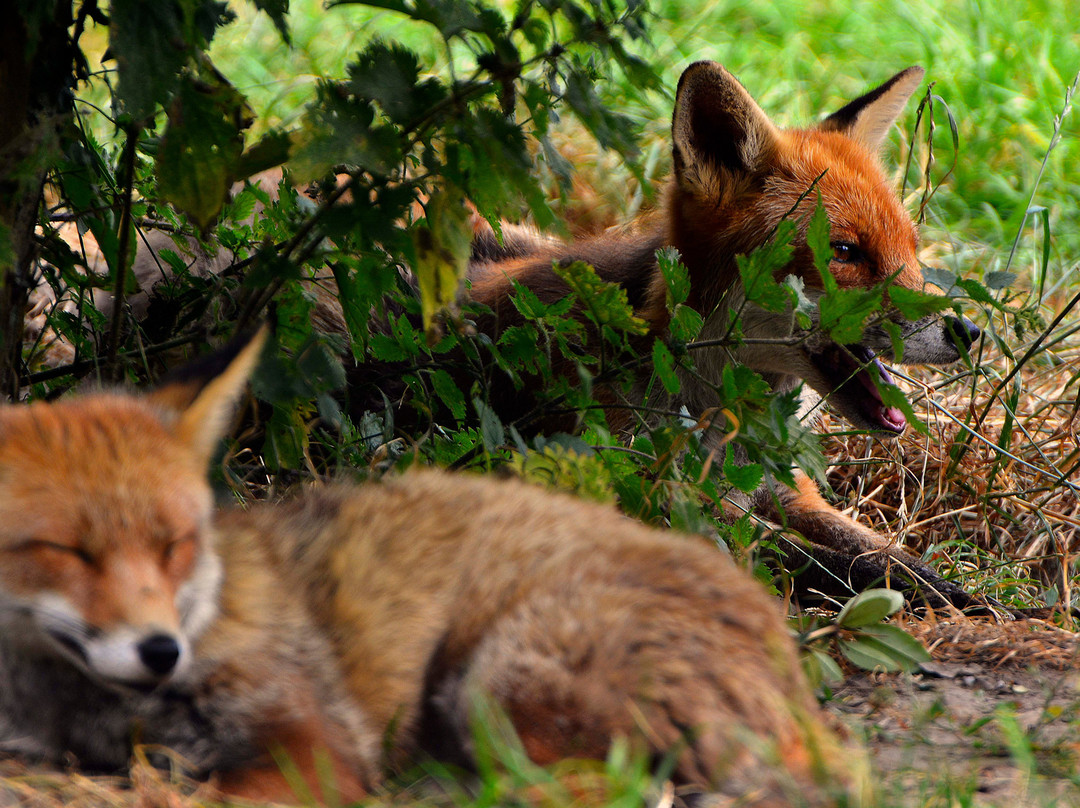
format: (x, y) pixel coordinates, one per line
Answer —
(277, 11)
(340, 128)
(914, 304)
(676, 276)
(105, 233)
(1000, 280)
(491, 428)
(449, 393)
(943, 279)
(817, 237)
(896, 335)
(759, 269)
(739, 381)
(150, 43)
(526, 301)
(613, 130)
(201, 147)
(606, 304)
(844, 311)
(977, 292)
(270, 151)
(664, 364)
(686, 324)
(804, 307)
(442, 246)
(893, 396)
(389, 74)
(747, 478)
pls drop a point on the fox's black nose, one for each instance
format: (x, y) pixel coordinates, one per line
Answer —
(159, 653)
(963, 330)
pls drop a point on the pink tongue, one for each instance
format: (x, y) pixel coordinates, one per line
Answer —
(889, 415)
(894, 416)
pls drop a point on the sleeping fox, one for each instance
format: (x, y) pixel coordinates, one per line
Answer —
(736, 177)
(364, 624)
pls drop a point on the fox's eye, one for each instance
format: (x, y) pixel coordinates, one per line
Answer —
(42, 545)
(179, 553)
(846, 253)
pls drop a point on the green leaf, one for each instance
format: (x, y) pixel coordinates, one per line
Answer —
(871, 606)
(804, 307)
(449, 393)
(893, 396)
(201, 147)
(272, 150)
(943, 279)
(907, 652)
(276, 10)
(686, 323)
(746, 477)
(869, 654)
(153, 41)
(676, 276)
(977, 292)
(821, 669)
(491, 428)
(1000, 280)
(389, 74)
(442, 246)
(817, 238)
(150, 43)
(759, 269)
(844, 311)
(914, 304)
(896, 336)
(664, 364)
(605, 303)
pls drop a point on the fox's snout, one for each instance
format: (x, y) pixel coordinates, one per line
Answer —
(963, 331)
(124, 655)
(159, 653)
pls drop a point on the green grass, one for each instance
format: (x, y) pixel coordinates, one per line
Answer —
(1002, 68)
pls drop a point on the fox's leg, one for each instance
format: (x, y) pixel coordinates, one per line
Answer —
(712, 680)
(840, 550)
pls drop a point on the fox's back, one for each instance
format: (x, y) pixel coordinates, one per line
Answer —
(409, 577)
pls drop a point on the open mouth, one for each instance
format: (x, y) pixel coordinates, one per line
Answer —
(847, 369)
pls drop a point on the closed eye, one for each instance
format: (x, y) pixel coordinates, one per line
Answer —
(180, 553)
(42, 545)
(844, 252)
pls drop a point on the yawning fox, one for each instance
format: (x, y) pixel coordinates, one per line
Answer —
(736, 177)
(365, 623)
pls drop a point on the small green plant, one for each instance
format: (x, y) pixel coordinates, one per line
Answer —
(860, 635)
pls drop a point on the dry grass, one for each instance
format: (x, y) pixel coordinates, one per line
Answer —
(1001, 506)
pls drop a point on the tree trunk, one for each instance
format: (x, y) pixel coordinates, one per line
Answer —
(37, 73)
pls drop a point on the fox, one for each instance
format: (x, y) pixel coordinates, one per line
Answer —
(364, 626)
(736, 176)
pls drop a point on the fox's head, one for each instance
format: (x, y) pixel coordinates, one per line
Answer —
(738, 176)
(106, 539)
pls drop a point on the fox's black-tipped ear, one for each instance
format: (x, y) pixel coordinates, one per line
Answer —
(869, 118)
(203, 394)
(719, 131)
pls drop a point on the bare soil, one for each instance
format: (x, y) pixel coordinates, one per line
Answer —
(993, 720)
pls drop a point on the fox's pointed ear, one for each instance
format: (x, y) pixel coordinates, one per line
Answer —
(200, 398)
(868, 118)
(717, 128)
